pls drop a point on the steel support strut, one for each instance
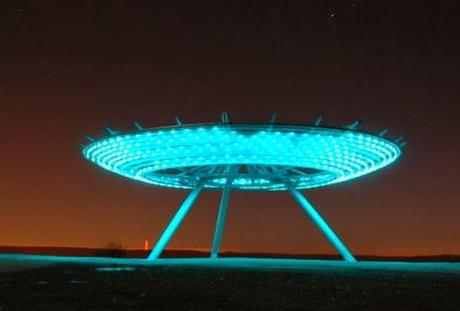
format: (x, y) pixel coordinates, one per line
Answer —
(220, 221)
(321, 224)
(175, 222)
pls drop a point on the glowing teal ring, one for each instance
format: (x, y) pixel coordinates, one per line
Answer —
(273, 155)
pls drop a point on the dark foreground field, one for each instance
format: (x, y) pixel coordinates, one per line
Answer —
(86, 287)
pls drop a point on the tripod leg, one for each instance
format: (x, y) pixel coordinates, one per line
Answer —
(175, 222)
(321, 224)
(220, 222)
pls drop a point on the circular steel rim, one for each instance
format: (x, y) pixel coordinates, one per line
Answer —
(256, 157)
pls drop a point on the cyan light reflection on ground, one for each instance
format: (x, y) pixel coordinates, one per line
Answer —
(226, 263)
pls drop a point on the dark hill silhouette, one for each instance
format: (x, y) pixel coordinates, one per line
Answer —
(139, 253)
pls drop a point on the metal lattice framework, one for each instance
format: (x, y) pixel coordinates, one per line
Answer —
(235, 157)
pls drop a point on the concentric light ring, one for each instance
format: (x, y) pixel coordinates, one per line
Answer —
(256, 157)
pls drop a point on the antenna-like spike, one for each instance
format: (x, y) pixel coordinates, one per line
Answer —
(138, 125)
(110, 131)
(273, 118)
(399, 140)
(354, 125)
(178, 121)
(225, 118)
(402, 144)
(318, 121)
(382, 133)
(90, 138)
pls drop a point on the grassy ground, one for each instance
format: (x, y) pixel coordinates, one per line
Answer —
(82, 287)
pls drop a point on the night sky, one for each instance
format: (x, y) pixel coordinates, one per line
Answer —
(71, 68)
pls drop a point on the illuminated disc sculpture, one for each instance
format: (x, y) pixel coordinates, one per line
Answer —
(243, 157)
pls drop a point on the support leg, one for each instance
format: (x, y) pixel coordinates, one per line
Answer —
(175, 222)
(220, 222)
(321, 224)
